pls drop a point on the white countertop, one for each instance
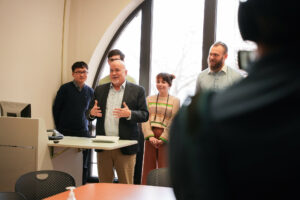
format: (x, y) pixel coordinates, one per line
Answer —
(87, 143)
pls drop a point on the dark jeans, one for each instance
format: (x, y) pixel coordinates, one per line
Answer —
(86, 154)
(139, 159)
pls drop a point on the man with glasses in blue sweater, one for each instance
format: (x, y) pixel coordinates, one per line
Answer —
(71, 103)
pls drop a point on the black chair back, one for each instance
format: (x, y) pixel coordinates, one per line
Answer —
(41, 184)
(159, 177)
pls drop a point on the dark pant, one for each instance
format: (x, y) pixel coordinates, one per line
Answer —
(86, 154)
(139, 159)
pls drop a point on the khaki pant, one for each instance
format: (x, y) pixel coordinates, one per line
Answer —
(124, 165)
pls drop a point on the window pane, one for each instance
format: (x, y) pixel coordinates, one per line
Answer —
(228, 31)
(177, 43)
(129, 43)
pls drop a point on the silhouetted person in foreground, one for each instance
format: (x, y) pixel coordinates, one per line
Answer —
(244, 142)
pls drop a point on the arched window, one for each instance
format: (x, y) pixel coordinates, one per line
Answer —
(173, 36)
(161, 36)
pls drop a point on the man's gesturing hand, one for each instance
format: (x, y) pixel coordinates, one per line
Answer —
(122, 112)
(95, 111)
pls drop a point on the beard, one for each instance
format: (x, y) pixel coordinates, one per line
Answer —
(115, 82)
(216, 66)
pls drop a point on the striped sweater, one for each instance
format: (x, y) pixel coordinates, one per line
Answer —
(161, 114)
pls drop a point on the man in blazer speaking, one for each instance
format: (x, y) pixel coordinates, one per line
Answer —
(118, 107)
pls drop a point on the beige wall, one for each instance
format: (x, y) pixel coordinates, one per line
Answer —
(31, 35)
(37, 53)
(89, 19)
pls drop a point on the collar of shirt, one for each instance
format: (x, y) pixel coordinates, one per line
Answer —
(122, 86)
(77, 86)
(224, 70)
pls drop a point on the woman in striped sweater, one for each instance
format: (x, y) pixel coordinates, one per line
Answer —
(162, 108)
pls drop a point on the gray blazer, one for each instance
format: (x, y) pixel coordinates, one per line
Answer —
(134, 97)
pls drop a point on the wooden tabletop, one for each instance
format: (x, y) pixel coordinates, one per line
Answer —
(116, 191)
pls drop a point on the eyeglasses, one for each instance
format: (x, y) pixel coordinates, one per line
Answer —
(81, 72)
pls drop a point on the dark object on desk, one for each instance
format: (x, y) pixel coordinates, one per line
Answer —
(159, 177)
(41, 184)
(59, 137)
(56, 135)
(11, 196)
(15, 109)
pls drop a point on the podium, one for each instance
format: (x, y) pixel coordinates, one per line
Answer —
(23, 148)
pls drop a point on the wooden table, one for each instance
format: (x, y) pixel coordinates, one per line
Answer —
(115, 191)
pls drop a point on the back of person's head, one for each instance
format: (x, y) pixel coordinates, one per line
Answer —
(219, 43)
(166, 77)
(115, 52)
(270, 22)
(79, 64)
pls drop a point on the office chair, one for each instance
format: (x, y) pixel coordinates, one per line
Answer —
(11, 196)
(159, 177)
(41, 184)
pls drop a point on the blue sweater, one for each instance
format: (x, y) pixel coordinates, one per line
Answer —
(69, 109)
